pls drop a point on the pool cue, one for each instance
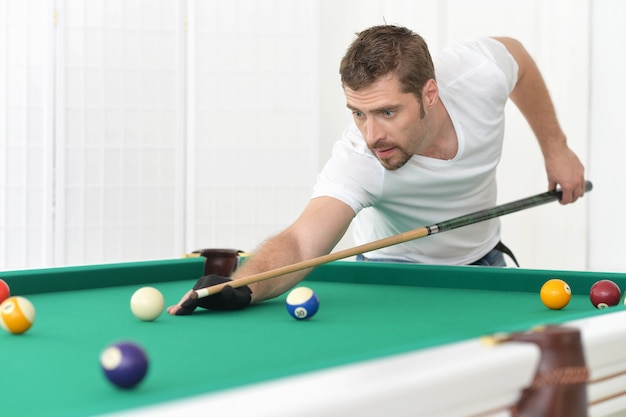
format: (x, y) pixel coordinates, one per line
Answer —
(465, 220)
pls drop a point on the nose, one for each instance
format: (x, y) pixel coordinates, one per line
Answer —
(372, 132)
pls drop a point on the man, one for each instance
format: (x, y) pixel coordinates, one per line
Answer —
(424, 147)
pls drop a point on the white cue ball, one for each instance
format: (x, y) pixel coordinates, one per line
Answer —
(147, 303)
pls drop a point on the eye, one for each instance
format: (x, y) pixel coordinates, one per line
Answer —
(357, 114)
(389, 113)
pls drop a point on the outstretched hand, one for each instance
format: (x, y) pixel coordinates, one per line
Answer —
(228, 299)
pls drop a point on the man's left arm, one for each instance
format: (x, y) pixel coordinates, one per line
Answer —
(531, 96)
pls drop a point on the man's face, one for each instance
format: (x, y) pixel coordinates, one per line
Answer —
(393, 123)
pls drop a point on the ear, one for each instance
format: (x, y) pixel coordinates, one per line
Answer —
(430, 93)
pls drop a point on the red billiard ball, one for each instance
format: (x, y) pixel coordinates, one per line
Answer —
(605, 293)
(5, 291)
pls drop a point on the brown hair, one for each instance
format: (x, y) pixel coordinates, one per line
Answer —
(385, 49)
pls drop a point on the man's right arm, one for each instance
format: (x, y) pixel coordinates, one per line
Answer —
(317, 230)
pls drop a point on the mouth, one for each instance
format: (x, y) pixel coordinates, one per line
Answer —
(384, 153)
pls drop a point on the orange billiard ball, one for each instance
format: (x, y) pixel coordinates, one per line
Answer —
(555, 294)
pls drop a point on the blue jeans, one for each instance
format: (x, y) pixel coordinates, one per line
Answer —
(492, 258)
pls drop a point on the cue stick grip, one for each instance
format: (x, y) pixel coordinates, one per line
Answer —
(464, 220)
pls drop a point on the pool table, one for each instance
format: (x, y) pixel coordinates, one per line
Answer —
(388, 340)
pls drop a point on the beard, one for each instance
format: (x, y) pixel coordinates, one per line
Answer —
(396, 160)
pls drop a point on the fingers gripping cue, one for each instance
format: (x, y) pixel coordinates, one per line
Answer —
(465, 220)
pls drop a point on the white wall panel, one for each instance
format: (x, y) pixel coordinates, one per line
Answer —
(119, 147)
(25, 137)
(253, 136)
(607, 139)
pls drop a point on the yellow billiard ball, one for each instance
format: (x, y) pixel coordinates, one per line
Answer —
(17, 315)
(555, 294)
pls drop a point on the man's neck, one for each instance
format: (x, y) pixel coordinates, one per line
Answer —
(445, 144)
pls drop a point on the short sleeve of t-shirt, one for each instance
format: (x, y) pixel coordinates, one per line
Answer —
(497, 52)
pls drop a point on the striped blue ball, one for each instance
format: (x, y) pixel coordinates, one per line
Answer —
(302, 303)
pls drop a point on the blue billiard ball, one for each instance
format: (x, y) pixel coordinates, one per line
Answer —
(125, 364)
(302, 303)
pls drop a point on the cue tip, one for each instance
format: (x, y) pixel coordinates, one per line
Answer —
(201, 293)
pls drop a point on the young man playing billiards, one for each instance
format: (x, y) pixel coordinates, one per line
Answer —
(424, 147)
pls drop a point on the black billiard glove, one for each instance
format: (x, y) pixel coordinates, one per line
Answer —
(228, 299)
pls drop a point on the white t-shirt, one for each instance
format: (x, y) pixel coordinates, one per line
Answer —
(475, 79)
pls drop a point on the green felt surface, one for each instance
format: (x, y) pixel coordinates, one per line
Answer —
(53, 369)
